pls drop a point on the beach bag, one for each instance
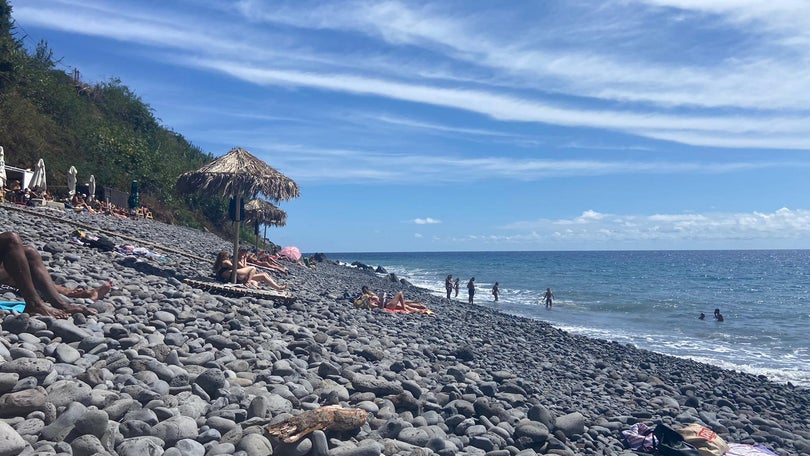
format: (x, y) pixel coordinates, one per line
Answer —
(670, 443)
(704, 439)
(640, 438)
(102, 243)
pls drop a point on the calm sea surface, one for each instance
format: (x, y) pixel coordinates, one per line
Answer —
(651, 299)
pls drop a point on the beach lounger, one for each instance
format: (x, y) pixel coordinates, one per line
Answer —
(235, 290)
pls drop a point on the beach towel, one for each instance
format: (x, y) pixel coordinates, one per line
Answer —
(739, 449)
(640, 438)
(409, 311)
(16, 306)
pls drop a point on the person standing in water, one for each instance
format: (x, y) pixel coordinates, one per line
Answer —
(455, 286)
(496, 291)
(471, 290)
(549, 298)
(448, 285)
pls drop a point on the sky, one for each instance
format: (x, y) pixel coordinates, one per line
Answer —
(480, 126)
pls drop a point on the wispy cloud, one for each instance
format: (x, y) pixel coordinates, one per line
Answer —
(789, 131)
(362, 167)
(540, 78)
(438, 127)
(426, 221)
(576, 68)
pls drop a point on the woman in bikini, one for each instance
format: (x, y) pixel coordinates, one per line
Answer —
(247, 275)
(397, 304)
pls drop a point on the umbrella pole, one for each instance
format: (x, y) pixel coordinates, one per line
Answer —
(264, 239)
(237, 224)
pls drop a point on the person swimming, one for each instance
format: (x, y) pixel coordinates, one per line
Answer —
(702, 316)
(717, 315)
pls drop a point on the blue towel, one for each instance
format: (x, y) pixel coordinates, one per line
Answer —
(18, 306)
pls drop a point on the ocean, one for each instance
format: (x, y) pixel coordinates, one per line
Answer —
(651, 299)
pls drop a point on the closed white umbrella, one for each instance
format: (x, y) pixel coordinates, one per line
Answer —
(2, 168)
(38, 181)
(72, 181)
(91, 188)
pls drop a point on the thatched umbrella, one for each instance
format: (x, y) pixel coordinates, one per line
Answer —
(239, 174)
(265, 213)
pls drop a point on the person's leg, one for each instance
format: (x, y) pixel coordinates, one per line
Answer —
(85, 293)
(43, 282)
(245, 275)
(15, 266)
(414, 305)
(397, 302)
(261, 277)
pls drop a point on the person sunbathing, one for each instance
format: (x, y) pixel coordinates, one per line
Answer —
(21, 267)
(399, 303)
(396, 304)
(246, 275)
(79, 204)
(265, 261)
(367, 299)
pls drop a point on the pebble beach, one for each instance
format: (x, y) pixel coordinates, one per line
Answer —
(165, 368)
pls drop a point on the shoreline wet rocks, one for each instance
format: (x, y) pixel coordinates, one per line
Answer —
(169, 369)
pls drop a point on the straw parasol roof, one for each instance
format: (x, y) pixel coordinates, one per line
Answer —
(265, 212)
(239, 173)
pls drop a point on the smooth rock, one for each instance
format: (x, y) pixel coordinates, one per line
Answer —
(255, 445)
(175, 428)
(23, 402)
(11, 443)
(28, 367)
(68, 331)
(64, 392)
(94, 422)
(61, 427)
(189, 447)
(87, 445)
(211, 381)
(571, 424)
(140, 446)
(8, 380)
(66, 354)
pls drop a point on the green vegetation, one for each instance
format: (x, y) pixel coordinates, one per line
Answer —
(103, 129)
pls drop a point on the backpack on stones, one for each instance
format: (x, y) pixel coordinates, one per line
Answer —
(102, 243)
(670, 443)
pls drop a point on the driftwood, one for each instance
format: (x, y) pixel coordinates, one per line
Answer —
(331, 417)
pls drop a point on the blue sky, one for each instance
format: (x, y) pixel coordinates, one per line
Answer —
(466, 125)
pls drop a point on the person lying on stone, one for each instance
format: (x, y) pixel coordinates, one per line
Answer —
(79, 204)
(396, 304)
(21, 267)
(262, 259)
(246, 275)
